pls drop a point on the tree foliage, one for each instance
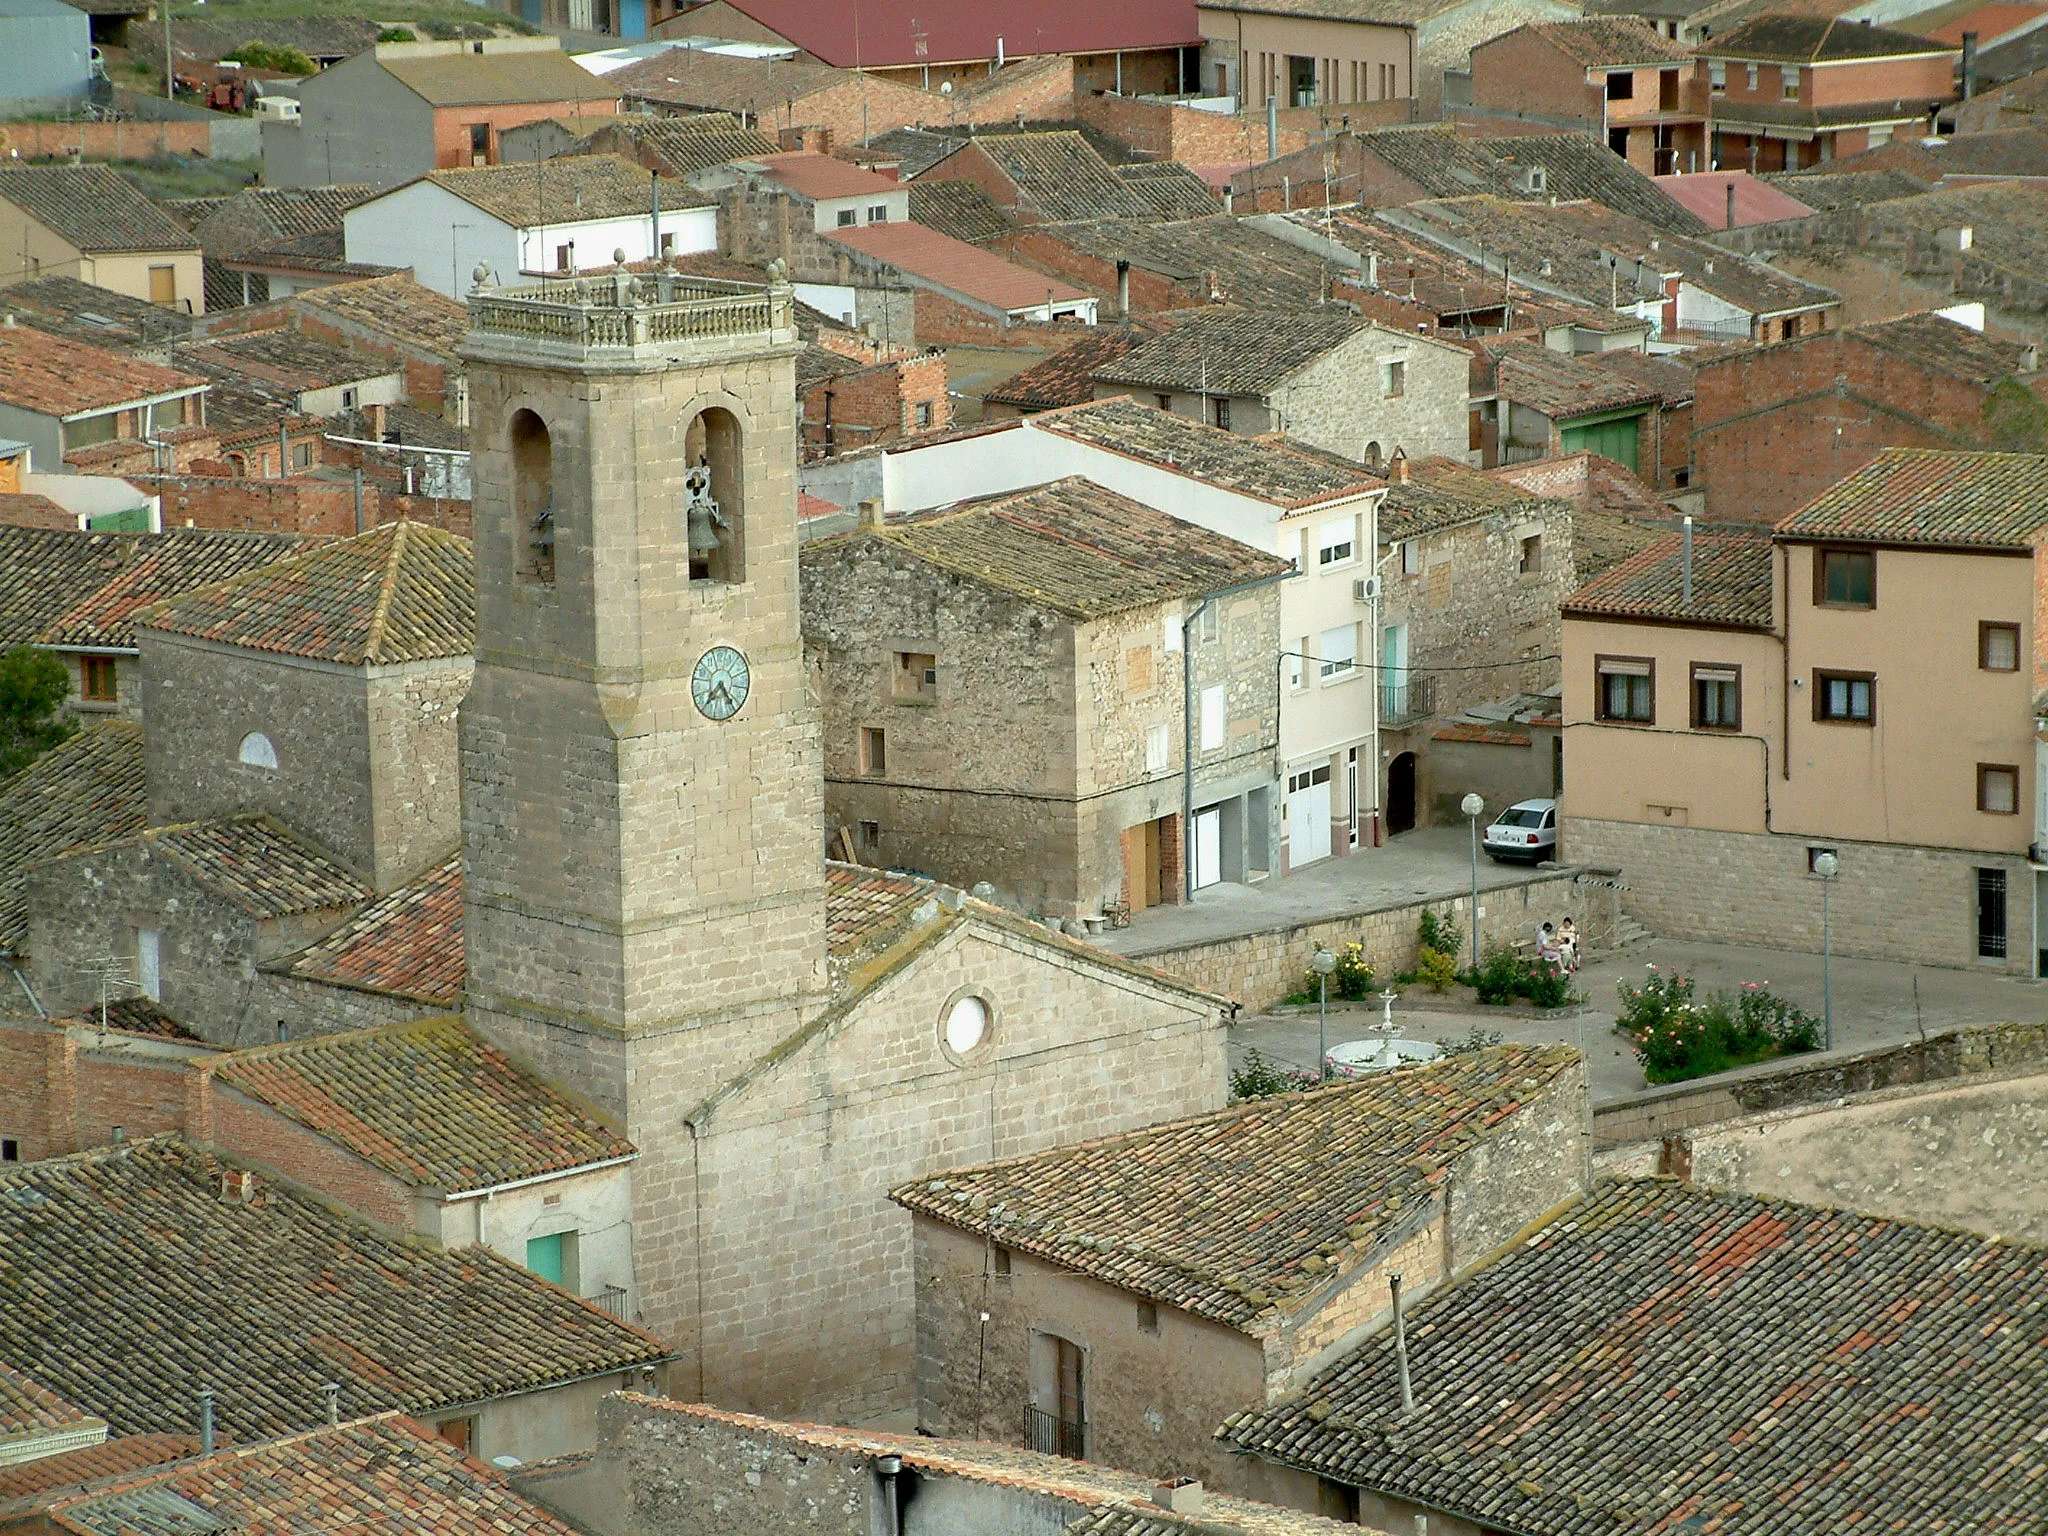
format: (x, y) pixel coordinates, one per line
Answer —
(33, 687)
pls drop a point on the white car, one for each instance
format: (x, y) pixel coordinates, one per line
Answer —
(1526, 831)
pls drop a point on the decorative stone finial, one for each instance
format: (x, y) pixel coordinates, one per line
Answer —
(482, 277)
(778, 272)
(618, 255)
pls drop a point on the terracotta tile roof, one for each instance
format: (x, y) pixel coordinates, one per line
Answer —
(1814, 39)
(1068, 376)
(1668, 377)
(1073, 546)
(1225, 351)
(1731, 583)
(568, 189)
(1942, 345)
(1441, 493)
(56, 376)
(134, 1016)
(905, 33)
(395, 306)
(92, 207)
(1098, 1490)
(959, 209)
(916, 150)
(1561, 385)
(1828, 190)
(110, 1458)
(84, 791)
(430, 1102)
(691, 77)
(97, 316)
(29, 1411)
(1264, 471)
(1661, 1359)
(1166, 1211)
(252, 861)
(264, 1300)
(257, 217)
(284, 358)
(821, 176)
(407, 944)
(1235, 260)
(1930, 496)
(401, 592)
(324, 251)
(385, 1476)
(62, 587)
(685, 145)
(1607, 41)
(498, 79)
(955, 265)
(1575, 168)
(1174, 191)
(1059, 176)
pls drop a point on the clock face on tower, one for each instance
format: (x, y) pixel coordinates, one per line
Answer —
(720, 683)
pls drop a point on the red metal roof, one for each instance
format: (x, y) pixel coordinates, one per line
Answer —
(893, 33)
(820, 176)
(1705, 195)
(1989, 22)
(948, 263)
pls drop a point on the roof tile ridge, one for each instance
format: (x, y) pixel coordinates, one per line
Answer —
(387, 589)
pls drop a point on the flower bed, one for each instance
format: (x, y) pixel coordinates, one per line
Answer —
(1678, 1037)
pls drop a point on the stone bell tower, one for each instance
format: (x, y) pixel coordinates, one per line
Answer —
(642, 803)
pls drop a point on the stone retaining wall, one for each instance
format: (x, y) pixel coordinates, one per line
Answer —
(1967, 1052)
(1261, 969)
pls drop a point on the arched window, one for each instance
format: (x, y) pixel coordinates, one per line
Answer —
(716, 512)
(238, 466)
(257, 751)
(533, 498)
(1372, 454)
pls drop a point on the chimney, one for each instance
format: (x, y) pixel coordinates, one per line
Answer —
(1372, 270)
(1687, 558)
(1969, 65)
(1123, 289)
(1183, 1496)
(871, 514)
(1401, 1343)
(1397, 466)
(1731, 204)
(2030, 358)
(206, 1421)
(332, 1391)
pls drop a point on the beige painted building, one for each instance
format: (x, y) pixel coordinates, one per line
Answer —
(1115, 1301)
(1861, 681)
(649, 920)
(87, 222)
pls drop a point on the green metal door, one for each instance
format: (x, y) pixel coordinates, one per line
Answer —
(133, 520)
(1613, 439)
(544, 1257)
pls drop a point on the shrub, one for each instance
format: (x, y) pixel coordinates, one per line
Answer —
(1258, 1078)
(396, 35)
(1678, 1038)
(1435, 969)
(1350, 982)
(285, 60)
(1436, 931)
(1498, 979)
(33, 687)
(1476, 1039)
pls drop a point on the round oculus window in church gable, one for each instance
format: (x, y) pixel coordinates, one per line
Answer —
(966, 1024)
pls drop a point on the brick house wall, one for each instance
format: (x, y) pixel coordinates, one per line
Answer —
(1346, 164)
(1525, 74)
(1169, 131)
(877, 404)
(1774, 426)
(939, 321)
(295, 505)
(250, 1129)
(452, 124)
(1151, 292)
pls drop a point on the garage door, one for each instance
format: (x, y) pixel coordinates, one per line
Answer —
(1610, 439)
(1308, 816)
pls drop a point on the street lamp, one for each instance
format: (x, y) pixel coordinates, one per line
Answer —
(1325, 961)
(1474, 808)
(1825, 865)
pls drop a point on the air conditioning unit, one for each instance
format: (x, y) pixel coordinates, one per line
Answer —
(1366, 589)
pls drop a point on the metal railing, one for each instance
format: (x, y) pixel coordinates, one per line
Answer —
(1410, 699)
(611, 1299)
(1052, 1435)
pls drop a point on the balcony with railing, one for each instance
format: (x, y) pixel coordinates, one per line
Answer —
(628, 313)
(1408, 698)
(1053, 1435)
(611, 1299)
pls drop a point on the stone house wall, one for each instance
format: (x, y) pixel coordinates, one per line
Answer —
(733, 1267)
(1337, 402)
(1906, 903)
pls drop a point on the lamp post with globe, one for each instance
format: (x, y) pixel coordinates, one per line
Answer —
(1325, 961)
(1826, 866)
(1474, 808)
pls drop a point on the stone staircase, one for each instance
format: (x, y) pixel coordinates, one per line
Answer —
(1628, 933)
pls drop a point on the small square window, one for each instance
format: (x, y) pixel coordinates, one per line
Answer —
(924, 415)
(1209, 624)
(98, 681)
(1219, 411)
(1621, 85)
(302, 455)
(10, 1150)
(1393, 380)
(916, 676)
(1998, 789)
(1339, 651)
(565, 256)
(1148, 1317)
(878, 214)
(1625, 689)
(1998, 647)
(999, 1262)
(1165, 402)
(1532, 555)
(1716, 698)
(1845, 698)
(668, 243)
(348, 399)
(848, 216)
(870, 835)
(874, 751)
(1845, 578)
(1337, 542)
(1789, 82)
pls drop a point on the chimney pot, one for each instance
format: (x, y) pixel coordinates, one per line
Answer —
(871, 514)
(1183, 1496)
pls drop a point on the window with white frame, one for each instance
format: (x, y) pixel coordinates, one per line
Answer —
(1158, 743)
(1209, 624)
(1337, 542)
(1215, 715)
(1339, 652)
(1411, 557)
(1169, 630)
(1297, 665)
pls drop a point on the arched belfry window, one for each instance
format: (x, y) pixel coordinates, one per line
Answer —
(533, 498)
(715, 506)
